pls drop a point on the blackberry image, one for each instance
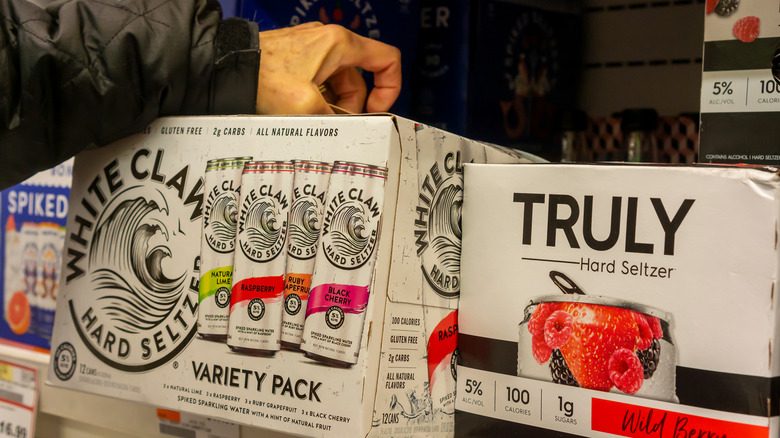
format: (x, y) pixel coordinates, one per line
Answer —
(724, 8)
(561, 374)
(649, 358)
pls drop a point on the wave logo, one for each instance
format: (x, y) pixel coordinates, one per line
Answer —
(438, 225)
(138, 313)
(263, 229)
(349, 231)
(220, 220)
(305, 224)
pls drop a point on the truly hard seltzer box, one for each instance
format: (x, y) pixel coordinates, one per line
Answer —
(126, 322)
(619, 300)
(740, 98)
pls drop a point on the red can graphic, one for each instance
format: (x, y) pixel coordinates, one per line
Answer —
(336, 310)
(259, 265)
(308, 204)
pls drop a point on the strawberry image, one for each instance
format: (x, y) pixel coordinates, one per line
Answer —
(597, 333)
(710, 6)
(601, 346)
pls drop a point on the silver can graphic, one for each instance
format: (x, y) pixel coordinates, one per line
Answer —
(308, 204)
(256, 301)
(222, 183)
(336, 311)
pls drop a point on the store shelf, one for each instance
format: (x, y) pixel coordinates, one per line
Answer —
(64, 413)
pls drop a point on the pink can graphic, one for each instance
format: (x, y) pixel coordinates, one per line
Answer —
(308, 204)
(222, 183)
(256, 302)
(338, 300)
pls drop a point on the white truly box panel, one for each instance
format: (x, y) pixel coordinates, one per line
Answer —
(127, 322)
(603, 300)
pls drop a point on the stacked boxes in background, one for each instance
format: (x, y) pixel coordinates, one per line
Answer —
(33, 215)
(740, 98)
(391, 21)
(497, 70)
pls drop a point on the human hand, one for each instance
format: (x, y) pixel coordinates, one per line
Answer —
(295, 61)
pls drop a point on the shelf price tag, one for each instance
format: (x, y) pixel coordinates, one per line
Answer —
(182, 424)
(18, 400)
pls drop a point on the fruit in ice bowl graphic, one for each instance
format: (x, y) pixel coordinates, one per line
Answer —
(597, 343)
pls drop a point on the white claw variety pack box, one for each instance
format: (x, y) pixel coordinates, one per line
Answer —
(619, 300)
(299, 274)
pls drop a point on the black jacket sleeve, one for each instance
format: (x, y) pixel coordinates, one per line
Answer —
(83, 72)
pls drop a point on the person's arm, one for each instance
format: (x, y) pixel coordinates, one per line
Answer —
(90, 72)
(298, 59)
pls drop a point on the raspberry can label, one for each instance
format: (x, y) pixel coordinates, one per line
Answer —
(258, 272)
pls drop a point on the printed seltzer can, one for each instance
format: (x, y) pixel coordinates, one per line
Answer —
(222, 182)
(51, 239)
(336, 311)
(308, 204)
(30, 271)
(256, 298)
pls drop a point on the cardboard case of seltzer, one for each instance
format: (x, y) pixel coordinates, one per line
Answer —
(127, 317)
(605, 300)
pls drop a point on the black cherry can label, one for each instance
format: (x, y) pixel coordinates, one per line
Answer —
(222, 183)
(336, 311)
(259, 266)
(306, 213)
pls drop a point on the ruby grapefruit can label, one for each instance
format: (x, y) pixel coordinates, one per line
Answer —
(308, 205)
(336, 310)
(259, 265)
(222, 182)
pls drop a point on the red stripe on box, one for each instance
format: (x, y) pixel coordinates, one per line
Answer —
(639, 421)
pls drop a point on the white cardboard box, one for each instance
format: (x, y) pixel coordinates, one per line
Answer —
(163, 362)
(694, 247)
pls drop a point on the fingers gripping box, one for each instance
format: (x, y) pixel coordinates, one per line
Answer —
(150, 235)
(603, 300)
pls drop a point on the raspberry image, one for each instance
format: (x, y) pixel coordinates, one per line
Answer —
(655, 326)
(710, 6)
(561, 374)
(649, 358)
(540, 349)
(558, 329)
(645, 337)
(746, 29)
(539, 317)
(625, 371)
(724, 8)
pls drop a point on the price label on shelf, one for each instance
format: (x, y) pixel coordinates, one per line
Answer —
(18, 400)
(182, 424)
